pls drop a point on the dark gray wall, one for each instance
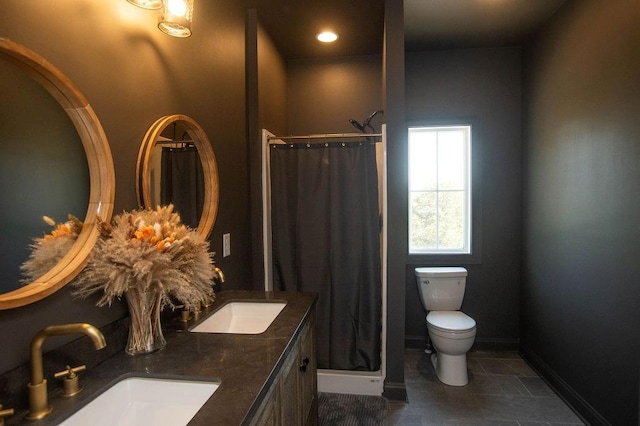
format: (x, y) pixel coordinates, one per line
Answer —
(132, 74)
(267, 109)
(393, 80)
(323, 94)
(272, 86)
(580, 299)
(483, 85)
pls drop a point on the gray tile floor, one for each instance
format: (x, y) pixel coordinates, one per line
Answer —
(503, 390)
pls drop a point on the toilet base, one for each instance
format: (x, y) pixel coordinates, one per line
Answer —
(450, 369)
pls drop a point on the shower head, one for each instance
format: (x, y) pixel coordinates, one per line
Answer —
(368, 120)
(358, 125)
(374, 114)
(366, 123)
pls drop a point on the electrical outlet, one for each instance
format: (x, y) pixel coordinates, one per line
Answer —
(226, 245)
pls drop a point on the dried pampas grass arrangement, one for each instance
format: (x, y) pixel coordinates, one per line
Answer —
(149, 250)
(47, 251)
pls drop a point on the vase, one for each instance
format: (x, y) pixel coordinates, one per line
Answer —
(145, 332)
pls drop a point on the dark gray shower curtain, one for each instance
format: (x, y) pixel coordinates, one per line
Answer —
(326, 240)
(182, 183)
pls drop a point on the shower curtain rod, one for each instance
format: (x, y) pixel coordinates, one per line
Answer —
(170, 142)
(326, 136)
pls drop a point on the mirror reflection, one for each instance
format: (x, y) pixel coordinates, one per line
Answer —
(176, 165)
(43, 169)
(176, 175)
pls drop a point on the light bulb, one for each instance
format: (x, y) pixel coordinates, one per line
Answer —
(177, 7)
(176, 18)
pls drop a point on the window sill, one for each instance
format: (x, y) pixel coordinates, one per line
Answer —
(444, 259)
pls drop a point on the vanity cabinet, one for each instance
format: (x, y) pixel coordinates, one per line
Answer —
(292, 398)
(264, 379)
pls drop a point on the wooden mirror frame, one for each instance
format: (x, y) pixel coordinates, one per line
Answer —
(101, 173)
(209, 168)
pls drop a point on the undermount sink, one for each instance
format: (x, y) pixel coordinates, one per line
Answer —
(145, 401)
(241, 318)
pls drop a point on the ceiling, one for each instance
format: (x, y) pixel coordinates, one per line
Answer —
(429, 24)
(293, 25)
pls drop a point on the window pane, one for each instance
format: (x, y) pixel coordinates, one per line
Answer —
(451, 213)
(423, 215)
(451, 164)
(423, 161)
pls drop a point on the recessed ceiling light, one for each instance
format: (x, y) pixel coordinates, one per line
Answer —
(327, 37)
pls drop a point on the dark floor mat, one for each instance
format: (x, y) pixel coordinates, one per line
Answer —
(351, 410)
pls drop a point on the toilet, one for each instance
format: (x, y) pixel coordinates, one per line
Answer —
(451, 331)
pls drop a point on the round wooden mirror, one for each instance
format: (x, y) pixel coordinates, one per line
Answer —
(100, 168)
(176, 165)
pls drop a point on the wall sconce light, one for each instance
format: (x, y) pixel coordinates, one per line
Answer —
(147, 4)
(176, 18)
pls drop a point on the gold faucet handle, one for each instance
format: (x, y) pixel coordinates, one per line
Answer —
(5, 413)
(70, 384)
(70, 372)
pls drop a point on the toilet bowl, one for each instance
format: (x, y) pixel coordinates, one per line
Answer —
(452, 334)
(451, 331)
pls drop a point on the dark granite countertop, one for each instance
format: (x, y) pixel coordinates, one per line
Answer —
(244, 364)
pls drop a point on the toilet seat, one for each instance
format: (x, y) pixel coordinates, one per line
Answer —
(451, 322)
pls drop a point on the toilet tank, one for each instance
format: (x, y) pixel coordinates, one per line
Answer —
(441, 288)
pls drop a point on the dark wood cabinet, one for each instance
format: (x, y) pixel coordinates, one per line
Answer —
(292, 398)
(307, 376)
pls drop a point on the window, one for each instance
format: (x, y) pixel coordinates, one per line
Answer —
(440, 189)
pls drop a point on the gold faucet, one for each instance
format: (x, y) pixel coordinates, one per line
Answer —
(220, 274)
(38, 400)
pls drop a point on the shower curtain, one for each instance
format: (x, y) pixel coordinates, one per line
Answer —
(326, 240)
(182, 183)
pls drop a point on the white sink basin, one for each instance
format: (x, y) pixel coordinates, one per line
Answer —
(145, 401)
(241, 318)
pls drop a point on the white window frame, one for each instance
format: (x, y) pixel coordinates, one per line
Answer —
(467, 248)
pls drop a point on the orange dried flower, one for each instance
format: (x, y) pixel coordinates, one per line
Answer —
(60, 231)
(145, 232)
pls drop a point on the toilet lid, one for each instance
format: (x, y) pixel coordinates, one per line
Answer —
(450, 320)
(441, 272)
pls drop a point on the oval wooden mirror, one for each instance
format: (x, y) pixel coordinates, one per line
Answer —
(176, 164)
(100, 165)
